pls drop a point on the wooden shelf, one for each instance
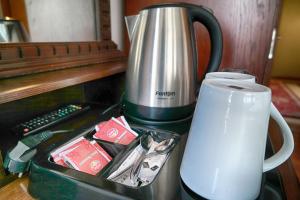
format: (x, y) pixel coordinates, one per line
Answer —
(25, 86)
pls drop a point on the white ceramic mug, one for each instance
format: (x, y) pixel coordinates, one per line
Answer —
(224, 154)
(234, 76)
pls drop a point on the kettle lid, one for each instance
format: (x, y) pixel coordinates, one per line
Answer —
(181, 4)
(164, 5)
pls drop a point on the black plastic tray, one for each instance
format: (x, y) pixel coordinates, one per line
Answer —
(49, 180)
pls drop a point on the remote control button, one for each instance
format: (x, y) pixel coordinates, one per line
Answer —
(46, 120)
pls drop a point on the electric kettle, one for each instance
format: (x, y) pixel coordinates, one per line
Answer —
(12, 30)
(161, 78)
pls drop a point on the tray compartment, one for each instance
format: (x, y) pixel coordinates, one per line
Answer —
(160, 135)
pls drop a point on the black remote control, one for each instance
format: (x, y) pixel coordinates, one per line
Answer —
(44, 121)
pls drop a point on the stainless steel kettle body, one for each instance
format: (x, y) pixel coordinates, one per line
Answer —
(161, 79)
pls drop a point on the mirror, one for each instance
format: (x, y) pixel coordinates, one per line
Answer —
(51, 21)
(23, 58)
(62, 20)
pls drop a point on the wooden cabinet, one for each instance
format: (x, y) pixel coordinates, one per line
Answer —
(247, 28)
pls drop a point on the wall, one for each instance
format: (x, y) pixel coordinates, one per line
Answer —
(287, 55)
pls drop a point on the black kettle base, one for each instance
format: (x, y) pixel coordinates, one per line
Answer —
(156, 123)
(157, 115)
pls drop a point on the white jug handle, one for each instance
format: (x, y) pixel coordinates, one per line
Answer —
(288, 142)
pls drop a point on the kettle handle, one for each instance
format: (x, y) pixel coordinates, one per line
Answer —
(288, 142)
(204, 16)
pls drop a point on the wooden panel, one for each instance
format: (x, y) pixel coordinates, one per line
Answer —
(9, 53)
(5, 8)
(287, 171)
(60, 50)
(46, 51)
(105, 29)
(94, 48)
(21, 58)
(73, 49)
(18, 11)
(103, 46)
(29, 52)
(246, 26)
(84, 48)
(26, 86)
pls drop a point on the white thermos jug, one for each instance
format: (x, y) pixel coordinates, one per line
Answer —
(224, 154)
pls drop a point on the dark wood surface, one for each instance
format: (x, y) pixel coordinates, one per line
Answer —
(287, 169)
(16, 190)
(247, 28)
(27, 58)
(295, 126)
(25, 86)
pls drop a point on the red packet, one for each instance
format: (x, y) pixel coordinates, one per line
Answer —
(56, 155)
(123, 121)
(100, 125)
(101, 150)
(114, 131)
(60, 161)
(88, 157)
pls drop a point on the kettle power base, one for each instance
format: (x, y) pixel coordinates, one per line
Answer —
(179, 122)
(158, 114)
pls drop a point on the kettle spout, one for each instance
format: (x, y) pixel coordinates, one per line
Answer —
(131, 22)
